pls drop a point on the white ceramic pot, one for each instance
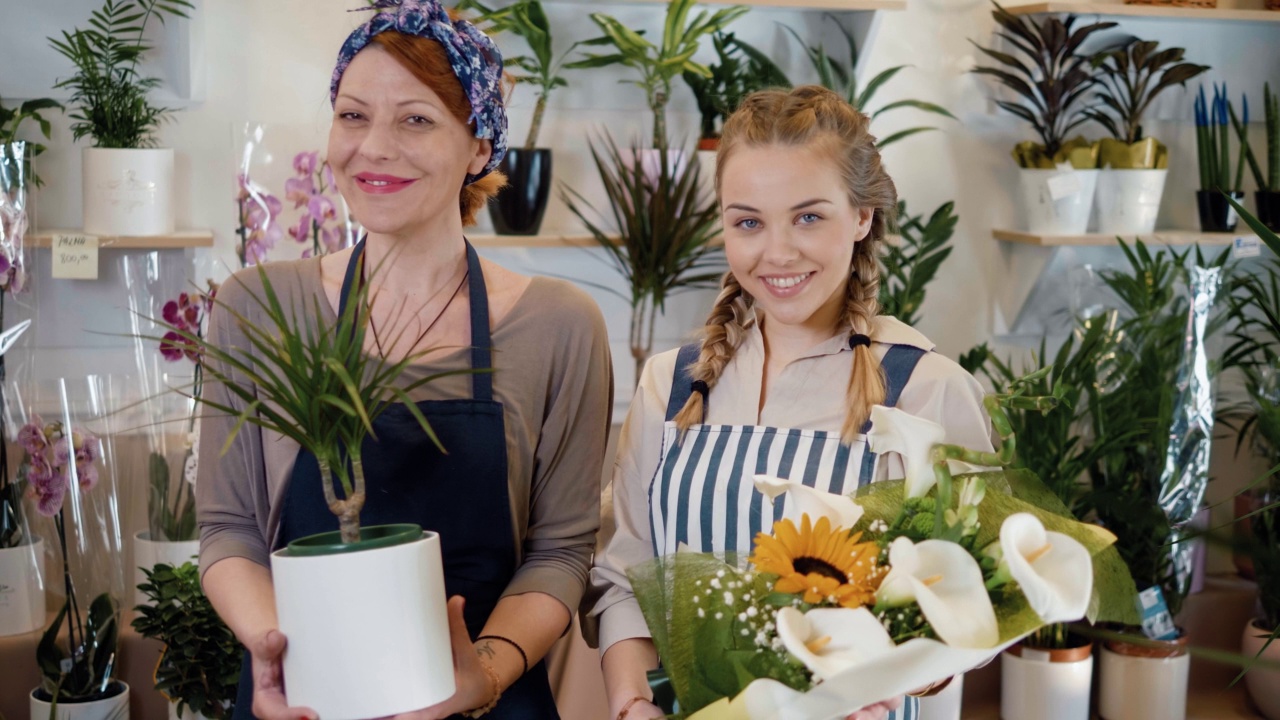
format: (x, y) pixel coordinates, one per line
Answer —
(1128, 201)
(341, 613)
(1057, 202)
(128, 192)
(148, 553)
(1142, 683)
(1045, 684)
(1264, 685)
(112, 708)
(946, 704)
(22, 589)
(707, 170)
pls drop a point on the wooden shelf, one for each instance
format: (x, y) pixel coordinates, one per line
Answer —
(833, 5)
(178, 240)
(1159, 237)
(1148, 11)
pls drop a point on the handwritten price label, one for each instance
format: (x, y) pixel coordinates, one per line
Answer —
(75, 257)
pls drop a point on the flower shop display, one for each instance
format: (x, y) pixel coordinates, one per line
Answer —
(68, 466)
(851, 600)
(199, 667)
(1133, 165)
(127, 182)
(1212, 136)
(1267, 197)
(1051, 77)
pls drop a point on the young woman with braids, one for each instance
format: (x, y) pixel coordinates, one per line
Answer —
(793, 357)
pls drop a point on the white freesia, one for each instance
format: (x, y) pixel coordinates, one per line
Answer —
(804, 500)
(945, 580)
(831, 640)
(893, 430)
(1054, 571)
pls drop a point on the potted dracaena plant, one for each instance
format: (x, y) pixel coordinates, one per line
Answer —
(1267, 196)
(1217, 182)
(199, 665)
(1164, 316)
(519, 207)
(110, 104)
(313, 383)
(1133, 165)
(1048, 675)
(1050, 74)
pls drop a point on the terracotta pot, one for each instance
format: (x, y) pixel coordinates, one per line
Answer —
(1144, 682)
(1038, 684)
(709, 143)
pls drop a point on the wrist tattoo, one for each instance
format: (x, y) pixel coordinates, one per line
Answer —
(485, 650)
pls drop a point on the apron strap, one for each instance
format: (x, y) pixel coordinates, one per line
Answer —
(481, 342)
(898, 364)
(682, 380)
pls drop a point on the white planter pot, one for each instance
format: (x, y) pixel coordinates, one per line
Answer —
(1139, 683)
(946, 704)
(1128, 201)
(112, 708)
(341, 612)
(707, 170)
(1264, 685)
(22, 589)
(1057, 202)
(148, 553)
(128, 192)
(1045, 684)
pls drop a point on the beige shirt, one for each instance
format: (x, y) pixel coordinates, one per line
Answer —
(808, 393)
(552, 374)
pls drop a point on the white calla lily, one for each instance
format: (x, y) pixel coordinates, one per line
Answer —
(1054, 571)
(945, 580)
(831, 640)
(842, 511)
(893, 430)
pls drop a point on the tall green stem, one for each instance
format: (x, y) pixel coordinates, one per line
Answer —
(536, 126)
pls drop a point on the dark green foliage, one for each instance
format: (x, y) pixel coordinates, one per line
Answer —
(1130, 78)
(11, 120)
(171, 508)
(906, 269)
(740, 69)
(82, 672)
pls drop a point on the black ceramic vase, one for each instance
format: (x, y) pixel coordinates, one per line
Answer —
(1268, 202)
(518, 207)
(1216, 214)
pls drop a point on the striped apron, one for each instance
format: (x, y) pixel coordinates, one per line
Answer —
(703, 496)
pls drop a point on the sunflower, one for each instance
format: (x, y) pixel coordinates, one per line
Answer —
(823, 563)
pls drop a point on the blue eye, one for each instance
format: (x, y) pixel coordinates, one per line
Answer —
(748, 223)
(810, 218)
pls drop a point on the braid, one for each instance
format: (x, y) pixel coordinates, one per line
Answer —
(722, 335)
(861, 306)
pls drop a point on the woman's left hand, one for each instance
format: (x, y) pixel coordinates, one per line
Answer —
(879, 711)
(474, 688)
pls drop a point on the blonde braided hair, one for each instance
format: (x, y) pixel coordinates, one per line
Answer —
(801, 117)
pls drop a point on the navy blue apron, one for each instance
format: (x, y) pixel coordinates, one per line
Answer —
(462, 495)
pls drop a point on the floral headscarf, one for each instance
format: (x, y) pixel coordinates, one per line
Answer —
(472, 54)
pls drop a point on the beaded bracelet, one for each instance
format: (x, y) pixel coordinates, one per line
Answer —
(497, 693)
(627, 708)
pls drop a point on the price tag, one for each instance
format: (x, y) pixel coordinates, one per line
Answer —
(1157, 623)
(75, 257)
(1064, 185)
(1246, 247)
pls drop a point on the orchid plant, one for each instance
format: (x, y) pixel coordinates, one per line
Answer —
(313, 188)
(854, 599)
(13, 227)
(258, 227)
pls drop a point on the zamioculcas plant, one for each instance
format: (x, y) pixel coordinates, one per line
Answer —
(906, 268)
(841, 76)
(1051, 77)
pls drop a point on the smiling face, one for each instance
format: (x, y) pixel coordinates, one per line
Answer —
(398, 154)
(790, 231)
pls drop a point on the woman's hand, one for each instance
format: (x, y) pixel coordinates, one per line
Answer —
(269, 703)
(475, 688)
(879, 711)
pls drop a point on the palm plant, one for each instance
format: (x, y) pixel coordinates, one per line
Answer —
(907, 268)
(659, 64)
(1130, 78)
(11, 120)
(666, 223)
(740, 69)
(108, 93)
(1052, 77)
(841, 77)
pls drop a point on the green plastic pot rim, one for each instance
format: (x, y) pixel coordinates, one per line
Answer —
(373, 537)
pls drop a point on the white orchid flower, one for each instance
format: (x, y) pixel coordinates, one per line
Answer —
(893, 430)
(831, 640)
(1054, 571)
(842, 511)
(945, 580)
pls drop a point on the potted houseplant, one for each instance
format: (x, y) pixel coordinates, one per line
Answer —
(1216, 179)
(1048, 72)
(327, 404)
(127, 181)
(1161, 339)
(739, 70)
(666, 224)
(199, 666)
(906, 268)
(1267, 196)
(519, 207)
(11, 121)
(1133, 166)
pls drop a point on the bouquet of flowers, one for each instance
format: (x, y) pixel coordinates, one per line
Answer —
(852, 600)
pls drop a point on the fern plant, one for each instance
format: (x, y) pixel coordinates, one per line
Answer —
(108, 93)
